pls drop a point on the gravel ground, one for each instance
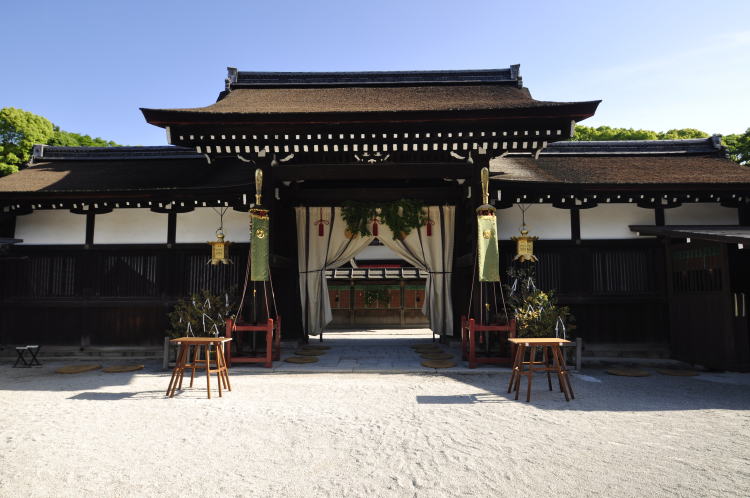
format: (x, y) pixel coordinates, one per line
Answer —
(369, 434)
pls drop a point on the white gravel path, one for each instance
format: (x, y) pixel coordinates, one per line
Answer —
(365, 434)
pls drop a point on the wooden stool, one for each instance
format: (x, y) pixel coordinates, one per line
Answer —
(552, 361)
(198, 343)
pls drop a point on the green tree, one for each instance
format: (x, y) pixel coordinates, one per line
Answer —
(69, 139)
(589, 133)
(738, 146)
(20, 130)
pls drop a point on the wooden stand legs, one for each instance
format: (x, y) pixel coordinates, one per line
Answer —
(552, 361)
(197, 363)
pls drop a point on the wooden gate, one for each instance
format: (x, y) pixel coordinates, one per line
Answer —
(705, 327)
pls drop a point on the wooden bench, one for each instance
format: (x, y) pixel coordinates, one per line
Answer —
(471, 335)
(272, 331)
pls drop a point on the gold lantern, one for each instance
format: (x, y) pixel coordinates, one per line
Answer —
(219, 253)
(258, 186)
(525, 246)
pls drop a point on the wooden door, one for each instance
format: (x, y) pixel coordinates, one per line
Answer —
(739, 281)
(703, 325)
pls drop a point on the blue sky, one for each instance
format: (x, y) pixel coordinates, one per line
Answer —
(89, 66)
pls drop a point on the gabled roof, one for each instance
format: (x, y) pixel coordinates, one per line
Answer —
(253, 97)
(118, 169)
(695, 161)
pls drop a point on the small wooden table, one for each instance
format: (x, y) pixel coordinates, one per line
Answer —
(182, 362)
(552, 361)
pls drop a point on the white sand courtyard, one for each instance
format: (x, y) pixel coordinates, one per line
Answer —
(370, 434)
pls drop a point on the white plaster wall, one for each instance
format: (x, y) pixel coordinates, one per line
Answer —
(200, 226)
(701, 213)
(542, 220)
(51, 226)
(130, 226)
(611, 221)
(376, 252)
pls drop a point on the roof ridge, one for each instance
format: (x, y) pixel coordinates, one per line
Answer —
(255, 79)
(709, 145)
(42, 152)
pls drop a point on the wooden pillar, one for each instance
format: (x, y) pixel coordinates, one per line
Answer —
(659, 216)
(7, 225)
(575, 224)
(402, 320)
(171, 229)
(743, 215)
(283, 243)
(90, 219)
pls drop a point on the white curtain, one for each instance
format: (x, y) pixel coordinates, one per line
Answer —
(430, 249)
(317, 253)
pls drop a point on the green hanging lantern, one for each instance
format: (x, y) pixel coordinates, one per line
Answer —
(487, 248)
(259, 235)
(259, 247)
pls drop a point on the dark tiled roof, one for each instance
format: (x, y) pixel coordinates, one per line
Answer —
(256, 96)
(103, 169)
(370, 99)
(56, 153)
(711, 145)
(627, 162)
(276, 101)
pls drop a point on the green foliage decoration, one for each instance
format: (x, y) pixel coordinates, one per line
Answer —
(203, 315)
(357, 216)
(401, 216)
(377, 294)
(536, 312)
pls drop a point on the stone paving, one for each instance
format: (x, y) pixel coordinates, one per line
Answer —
(375, 350)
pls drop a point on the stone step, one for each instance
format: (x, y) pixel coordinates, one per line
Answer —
(73, 352)
(633, 350)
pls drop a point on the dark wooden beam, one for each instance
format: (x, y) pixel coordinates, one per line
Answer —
(379, 171)
(336, 197)
(171, 228)
(7, 225)
(575, 224)
(90, 221)
(743, 215)
(659, 216)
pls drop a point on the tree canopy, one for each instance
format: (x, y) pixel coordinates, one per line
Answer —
(739, 147)
(20, 130)
(608, 133)
(738, 144)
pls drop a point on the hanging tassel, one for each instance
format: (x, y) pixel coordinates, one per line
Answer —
(375, 227)
(429, 227)
(320, 223)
